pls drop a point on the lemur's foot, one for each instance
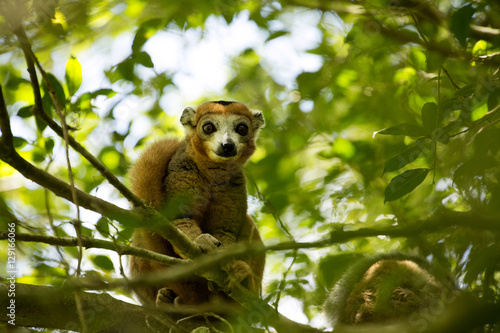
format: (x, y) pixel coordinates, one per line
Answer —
(237, 271)
(165, 296)
(207, 243)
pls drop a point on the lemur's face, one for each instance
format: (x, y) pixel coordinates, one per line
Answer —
(225, 136)
(223, 132)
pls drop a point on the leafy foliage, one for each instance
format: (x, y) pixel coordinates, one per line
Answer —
(379, 114)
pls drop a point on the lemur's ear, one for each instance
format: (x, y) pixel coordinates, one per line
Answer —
(188, 118)
(258, 120)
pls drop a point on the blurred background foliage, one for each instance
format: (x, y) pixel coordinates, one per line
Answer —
(379, 113)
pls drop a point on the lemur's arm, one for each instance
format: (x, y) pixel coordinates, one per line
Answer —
(185, 205)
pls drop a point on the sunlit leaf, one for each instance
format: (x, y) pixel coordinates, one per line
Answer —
(480, 48)
(404, 183)
(344, 148)
(73, 75)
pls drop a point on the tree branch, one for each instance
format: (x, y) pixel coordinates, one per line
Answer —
(39, 111)
(52, 307)
(89, 242)
(436, 223)
(7, 140)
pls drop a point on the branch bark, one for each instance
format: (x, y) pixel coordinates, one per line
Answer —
(52, 307)
(440, 221)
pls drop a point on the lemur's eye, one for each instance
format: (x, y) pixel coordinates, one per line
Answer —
(242, 129)
(208, 128)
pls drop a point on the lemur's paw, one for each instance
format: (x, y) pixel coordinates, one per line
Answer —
(165, 296)
(207, 243)
(237, 271)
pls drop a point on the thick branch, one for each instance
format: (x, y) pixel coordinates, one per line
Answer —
(51, 307)
(438, 222)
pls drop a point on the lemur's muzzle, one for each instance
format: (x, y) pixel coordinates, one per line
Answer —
(226, 149)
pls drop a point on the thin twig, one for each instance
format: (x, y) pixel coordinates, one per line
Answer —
(283, 227)
(59, 110)
(7, 140)
(51, 222)
(426, 42)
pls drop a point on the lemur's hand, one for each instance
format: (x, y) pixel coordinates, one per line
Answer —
(207, 243)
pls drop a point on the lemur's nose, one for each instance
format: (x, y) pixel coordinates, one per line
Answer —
(228, 147)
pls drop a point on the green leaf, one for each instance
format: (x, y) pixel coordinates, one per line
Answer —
(466, 91)
(406, 157)
(144, 59)
(145, 31)
(19, 142)
(481, 48)
(126, 69)
(441, 135)
(57, 88)
(404, 183)
(25, 112)
(40, 124)
(73, 75)
(103, 262)
(460, 23)
(103, 92)
(48, 145)
(404, 129)
(429, 116)
(277, 34)
(103, 226)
